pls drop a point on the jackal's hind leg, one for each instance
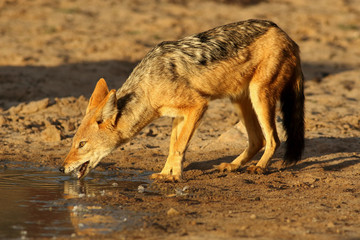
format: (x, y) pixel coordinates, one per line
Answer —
(182, 131)
(265, 111)
(253, 169)
(253, 129)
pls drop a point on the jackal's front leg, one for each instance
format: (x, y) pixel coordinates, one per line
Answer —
(173, 163)
(182, 131)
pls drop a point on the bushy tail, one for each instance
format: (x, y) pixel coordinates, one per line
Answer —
(292, 107)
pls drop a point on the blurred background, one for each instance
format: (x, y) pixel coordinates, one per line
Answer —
(60, 48)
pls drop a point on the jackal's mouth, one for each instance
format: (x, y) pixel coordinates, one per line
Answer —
(81, 171)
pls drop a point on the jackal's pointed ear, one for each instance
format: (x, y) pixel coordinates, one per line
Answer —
(100, 92)
(110, 109)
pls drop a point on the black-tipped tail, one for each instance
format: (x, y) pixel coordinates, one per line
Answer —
(292, 107)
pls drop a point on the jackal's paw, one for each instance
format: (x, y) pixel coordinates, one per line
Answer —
(165, 177)
(255, 170)
(227, 167)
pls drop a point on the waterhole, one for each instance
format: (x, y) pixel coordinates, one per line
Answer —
(46, 204)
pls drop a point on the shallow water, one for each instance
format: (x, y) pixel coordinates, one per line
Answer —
(46, 203)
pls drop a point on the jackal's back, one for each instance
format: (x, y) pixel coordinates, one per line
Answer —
(214, 45)
(200, 55)
(208, 47)
(216, 63)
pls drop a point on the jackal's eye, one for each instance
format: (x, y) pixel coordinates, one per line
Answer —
(82, 143)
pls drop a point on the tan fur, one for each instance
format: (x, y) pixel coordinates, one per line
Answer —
(254, 63)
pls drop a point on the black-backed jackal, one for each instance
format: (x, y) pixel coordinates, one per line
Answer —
(254, 63)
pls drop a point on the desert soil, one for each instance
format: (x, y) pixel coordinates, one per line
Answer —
(53, 52)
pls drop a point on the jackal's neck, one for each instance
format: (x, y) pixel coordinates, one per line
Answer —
(135, 113)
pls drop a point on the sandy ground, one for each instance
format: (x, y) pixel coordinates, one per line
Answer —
(53, 52)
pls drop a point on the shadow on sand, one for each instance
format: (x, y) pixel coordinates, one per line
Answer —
(28, 83)
(317, 147)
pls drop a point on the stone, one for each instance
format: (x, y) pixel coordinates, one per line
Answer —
(2, 120)
(51, 134)
(35, 106)
(172, 212)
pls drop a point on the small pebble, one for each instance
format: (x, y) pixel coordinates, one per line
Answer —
(172, 212)
(330, 225)
(141, 189)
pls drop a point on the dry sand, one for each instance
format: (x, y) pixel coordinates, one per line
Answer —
(53, 52)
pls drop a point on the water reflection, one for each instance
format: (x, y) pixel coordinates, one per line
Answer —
(35, 204)
(90, 220)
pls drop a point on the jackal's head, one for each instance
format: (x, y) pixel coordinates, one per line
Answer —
(96, 136)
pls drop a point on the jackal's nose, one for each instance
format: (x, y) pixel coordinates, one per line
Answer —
(62, 169)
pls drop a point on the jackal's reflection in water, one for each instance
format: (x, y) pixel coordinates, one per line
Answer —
(97, 219)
